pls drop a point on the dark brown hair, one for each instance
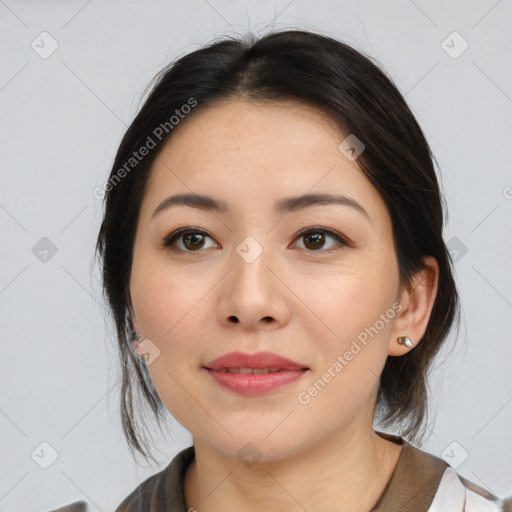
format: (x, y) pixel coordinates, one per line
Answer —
(350, 88)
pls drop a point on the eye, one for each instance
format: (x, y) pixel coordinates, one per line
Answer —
(315, 238)
(191, 240)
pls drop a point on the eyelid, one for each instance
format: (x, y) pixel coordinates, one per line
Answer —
(344, 240)
(172, 237)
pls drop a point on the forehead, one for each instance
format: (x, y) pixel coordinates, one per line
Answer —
(251, 152)
(240, 128)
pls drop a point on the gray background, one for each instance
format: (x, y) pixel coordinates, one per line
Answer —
(62, 118)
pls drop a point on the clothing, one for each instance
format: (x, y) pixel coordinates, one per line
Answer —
(77, 506)
(420, 482)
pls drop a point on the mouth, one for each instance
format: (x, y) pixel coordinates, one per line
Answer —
(254, 374)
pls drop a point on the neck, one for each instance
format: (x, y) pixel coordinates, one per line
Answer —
(349, 472)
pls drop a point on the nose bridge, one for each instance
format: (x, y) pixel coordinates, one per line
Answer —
(250, 264)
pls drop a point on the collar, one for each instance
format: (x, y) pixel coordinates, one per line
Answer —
(412, 485)
(414, 482)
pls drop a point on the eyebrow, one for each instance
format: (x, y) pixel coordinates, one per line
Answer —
(286, 205)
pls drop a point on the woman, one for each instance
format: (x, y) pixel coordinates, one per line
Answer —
(273, 239)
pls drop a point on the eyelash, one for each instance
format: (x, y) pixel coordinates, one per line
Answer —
(169, 241)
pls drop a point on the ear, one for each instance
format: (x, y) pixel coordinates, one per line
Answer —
(133, 318)
(417, 304)
(135, 344)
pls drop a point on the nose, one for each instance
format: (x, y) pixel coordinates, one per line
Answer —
(253, 295)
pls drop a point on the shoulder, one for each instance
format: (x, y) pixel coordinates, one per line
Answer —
(77, 506)
(456, 493)
(428, 483)
(162, 490)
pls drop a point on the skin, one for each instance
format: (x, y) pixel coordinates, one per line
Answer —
(301, 299)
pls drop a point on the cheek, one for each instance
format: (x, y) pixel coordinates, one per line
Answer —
(173, 305)
(351, 344)
(354, 311)
(163, 298)
(351, 301)
(171, 314)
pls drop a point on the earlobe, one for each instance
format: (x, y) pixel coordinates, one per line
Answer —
(136, 345)
(417, 303)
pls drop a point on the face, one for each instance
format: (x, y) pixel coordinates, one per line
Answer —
(315, 283)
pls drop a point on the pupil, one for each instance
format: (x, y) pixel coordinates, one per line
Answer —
(319, 237)
(193, 236)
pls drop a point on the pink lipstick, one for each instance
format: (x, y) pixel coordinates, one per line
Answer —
(254, 374)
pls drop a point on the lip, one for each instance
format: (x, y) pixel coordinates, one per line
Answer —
(254, 384)
(258, 360)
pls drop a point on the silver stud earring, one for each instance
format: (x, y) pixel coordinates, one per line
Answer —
(404, 340)
(138, 337)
